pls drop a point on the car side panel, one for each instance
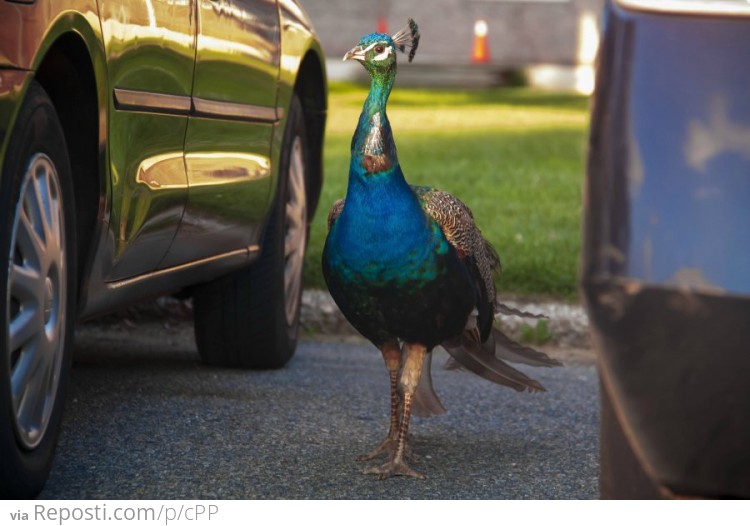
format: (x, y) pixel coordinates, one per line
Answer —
(228, 141)
(150, 47)
(12, 85)
(124, 229)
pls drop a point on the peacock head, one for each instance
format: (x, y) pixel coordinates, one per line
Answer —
(377, 51)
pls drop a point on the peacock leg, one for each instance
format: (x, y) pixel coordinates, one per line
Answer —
(392, 357)
(410, 373)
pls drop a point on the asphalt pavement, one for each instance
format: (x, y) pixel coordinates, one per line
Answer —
(145, 419)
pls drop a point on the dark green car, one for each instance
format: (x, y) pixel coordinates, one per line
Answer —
(149, 147)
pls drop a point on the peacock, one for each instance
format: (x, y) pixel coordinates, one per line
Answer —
(410, 270)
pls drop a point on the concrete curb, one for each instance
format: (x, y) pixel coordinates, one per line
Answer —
(566, 324)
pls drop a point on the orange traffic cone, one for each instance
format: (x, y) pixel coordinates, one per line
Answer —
(481, 52)
(382, 26)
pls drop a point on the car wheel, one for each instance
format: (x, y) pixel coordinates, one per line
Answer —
(250, 318)
(37, 294)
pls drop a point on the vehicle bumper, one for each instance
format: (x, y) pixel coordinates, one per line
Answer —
(675, 363)
(666, 262)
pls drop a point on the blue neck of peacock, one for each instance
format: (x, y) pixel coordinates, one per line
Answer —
(373, 148)
(380, 205)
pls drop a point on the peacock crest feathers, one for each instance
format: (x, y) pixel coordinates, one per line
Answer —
(408, 38)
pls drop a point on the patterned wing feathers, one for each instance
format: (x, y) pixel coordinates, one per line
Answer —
(457, 223)
(335, 212)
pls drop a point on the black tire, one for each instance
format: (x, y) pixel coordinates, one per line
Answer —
(241, 319)
(36, 172)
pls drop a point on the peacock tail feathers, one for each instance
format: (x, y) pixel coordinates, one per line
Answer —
(426, 401)
(472, 356)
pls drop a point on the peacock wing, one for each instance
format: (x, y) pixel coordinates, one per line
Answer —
(335, 212)
(457, 223)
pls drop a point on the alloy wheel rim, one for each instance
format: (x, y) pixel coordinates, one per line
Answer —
(295, 238)
(36, 300)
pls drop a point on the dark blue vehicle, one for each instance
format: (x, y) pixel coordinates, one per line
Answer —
(666, 256)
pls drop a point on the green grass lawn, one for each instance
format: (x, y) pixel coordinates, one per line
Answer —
(514, 156)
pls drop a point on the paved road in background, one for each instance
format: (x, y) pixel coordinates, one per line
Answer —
(145, 419)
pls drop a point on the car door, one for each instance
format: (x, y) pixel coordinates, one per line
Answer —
(229, 134)
(150, 49)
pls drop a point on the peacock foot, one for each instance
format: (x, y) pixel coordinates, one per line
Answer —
(388, 448)
(392, 468)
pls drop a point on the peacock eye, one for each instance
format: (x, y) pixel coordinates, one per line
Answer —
(379, 49)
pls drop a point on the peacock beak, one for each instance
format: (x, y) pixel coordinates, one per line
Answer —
(355, 53)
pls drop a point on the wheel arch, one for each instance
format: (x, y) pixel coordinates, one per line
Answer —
(311, 88)
(303, 73)
(68, 73)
